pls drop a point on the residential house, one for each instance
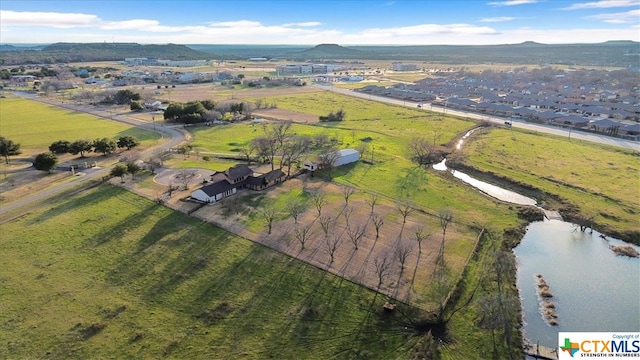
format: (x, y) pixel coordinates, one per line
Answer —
(229, 182)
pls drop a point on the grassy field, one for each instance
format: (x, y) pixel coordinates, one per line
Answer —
(123, 277)
(601, 181)
(36, 125)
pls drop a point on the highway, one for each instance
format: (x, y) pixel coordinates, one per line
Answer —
(548, 129)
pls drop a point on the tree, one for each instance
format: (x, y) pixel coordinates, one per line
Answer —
(446, 217)
(405, 210)
(332, 243)
(504, 265)
(247, 151)
(420, 150)
(119, 170)
(268, 216)
(325, 224)
(8, 148)
(104, 146)
(302, 235)
(184, 177)
(402, 253)
(266, 148)
(420, 236)
(128, 142)
(154, 163)
(45, 162)
(346, 212)
(319, 199)
(377, 223)
(135, 106)
(296, 208)
(382, 269)
(60, 147)
(347, 191)
(328, 160)
(292, 150)
(80, 147)
(372, 201)
(355, 235)
(125, 97)
(133, 168)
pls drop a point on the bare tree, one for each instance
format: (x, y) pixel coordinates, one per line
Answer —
(292, 151)
(319, 199)
(184, 177)
(296, 208)
(420, 236)
(347, 191)
(382, 269)
(268, 216)
(446, 217)
(332, 243)
(328, 160)
(325, 223)
(402, 253)
(154, 164)
(377, 223)
(420, 150)
(303, 234)
(405, 210)
(372, 201)
(346, 212)
(247, 151)
(355, 235)
(279, 132)
(504, 265)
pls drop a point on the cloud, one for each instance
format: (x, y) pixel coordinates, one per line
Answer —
(233, 24)
(303, 24)
(47, 19)
(498, 19)
(512, 2)
(602, 4)
(618, 18)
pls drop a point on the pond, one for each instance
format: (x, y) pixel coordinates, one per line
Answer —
(593, 289)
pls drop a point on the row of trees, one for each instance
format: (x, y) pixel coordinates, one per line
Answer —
(279, 144)
(198, 111)
(100, 145)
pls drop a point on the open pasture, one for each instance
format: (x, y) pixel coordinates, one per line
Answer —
(110, 274)
(36, 125)
(601, 181)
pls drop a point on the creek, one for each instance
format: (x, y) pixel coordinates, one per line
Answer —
(593, 289)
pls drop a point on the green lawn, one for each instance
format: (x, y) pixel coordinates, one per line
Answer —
(110, 274)
(35, 125)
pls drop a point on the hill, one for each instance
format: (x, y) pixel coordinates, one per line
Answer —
(83, 52)
(333, 51)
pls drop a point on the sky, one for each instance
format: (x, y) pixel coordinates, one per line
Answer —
(307, 22)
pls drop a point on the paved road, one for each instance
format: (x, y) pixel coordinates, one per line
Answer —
(172, 137)
(548, 129)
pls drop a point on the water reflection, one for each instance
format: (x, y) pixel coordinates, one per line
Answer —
(489, 189)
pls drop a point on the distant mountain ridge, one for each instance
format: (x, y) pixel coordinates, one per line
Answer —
(86, 52)
(611, 53)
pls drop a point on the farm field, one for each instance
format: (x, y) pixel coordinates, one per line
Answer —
(36, 125)
(598, 180)
(123, 277)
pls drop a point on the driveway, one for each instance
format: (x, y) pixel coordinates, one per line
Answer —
(172, 176)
